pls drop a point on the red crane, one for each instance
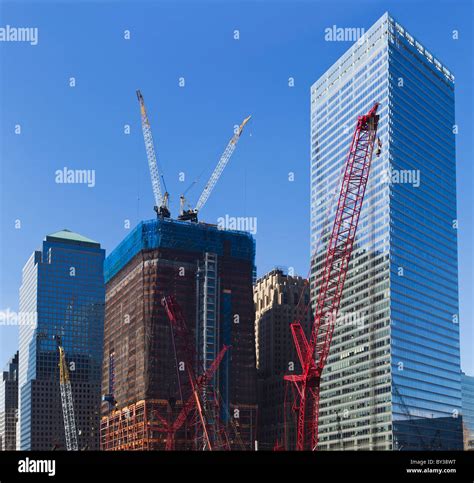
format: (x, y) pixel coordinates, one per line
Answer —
(172, 427)
(313, 353)
(182, 339)
(194, 401)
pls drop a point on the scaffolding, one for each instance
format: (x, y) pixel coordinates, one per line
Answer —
(207, 331)
(136, 427)
(178, 235)
(209, 271)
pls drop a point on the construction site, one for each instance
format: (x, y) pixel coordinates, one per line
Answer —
(192, 362)
(179, 355)
(180, 358)
(257, 253)
(179, 368)
(182, 344)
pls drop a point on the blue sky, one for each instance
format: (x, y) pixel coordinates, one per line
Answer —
(225, 80)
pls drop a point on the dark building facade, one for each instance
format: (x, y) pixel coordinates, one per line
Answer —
(210, 273)
(9, 405)
(279, 300)
(62, 295)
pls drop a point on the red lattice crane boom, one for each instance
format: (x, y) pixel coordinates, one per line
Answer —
(194, 399)
(313, 353)
(197, 383)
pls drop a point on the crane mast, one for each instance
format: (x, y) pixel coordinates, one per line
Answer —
(70, 429)
(161, 200)
(313, 353)
(216, 174)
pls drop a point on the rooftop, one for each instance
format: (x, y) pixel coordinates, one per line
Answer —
(384, 28)
(178, 235)
(70, 236)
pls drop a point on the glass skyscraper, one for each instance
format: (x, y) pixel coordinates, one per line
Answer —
(62, 294)
(392, 380)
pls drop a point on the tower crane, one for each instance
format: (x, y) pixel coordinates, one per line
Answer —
(182, 199)
(192, 214)
(161, 200)
(313, 353)
(70, 429)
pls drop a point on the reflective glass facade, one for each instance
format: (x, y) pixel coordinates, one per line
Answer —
(468, 410)
(393, 375)
(62, 294)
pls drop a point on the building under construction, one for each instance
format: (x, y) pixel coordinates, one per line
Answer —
(210, 273)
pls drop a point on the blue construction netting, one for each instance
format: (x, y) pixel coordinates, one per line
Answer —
(179, 235)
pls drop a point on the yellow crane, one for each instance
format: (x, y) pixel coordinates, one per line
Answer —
(70, 429)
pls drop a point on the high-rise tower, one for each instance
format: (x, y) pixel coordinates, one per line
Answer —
(62, 294)
(392, 380)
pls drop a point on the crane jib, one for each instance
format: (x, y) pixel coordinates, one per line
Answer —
(218, 170)
(161, 200)
(313, 353)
